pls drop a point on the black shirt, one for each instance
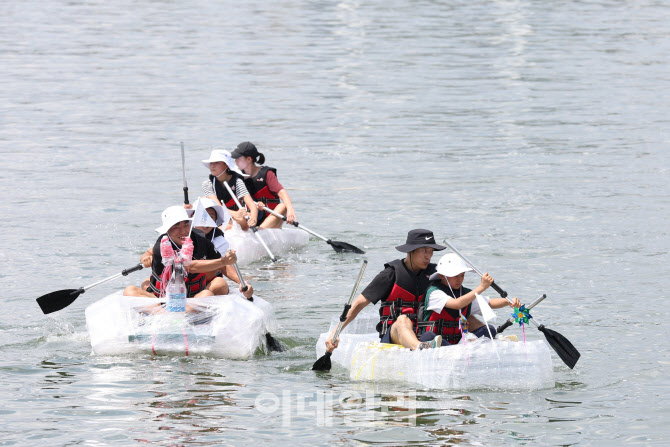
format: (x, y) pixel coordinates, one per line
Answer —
(382, 284)
(202, 249)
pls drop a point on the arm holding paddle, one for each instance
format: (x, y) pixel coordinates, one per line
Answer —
(358, 305)
(207, 265)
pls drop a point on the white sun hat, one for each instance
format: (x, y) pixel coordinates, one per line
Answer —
(224, 156)
(172, 215)
(450, 265)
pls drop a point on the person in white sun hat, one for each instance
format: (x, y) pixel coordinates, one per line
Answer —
(450, 308)
(222, 169)
(177, 226)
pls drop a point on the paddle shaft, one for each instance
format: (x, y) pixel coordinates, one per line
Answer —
(125, 272)
(495, 286)
(343, 317)
(245, 287)
(254, 229)
(183, 173)
(500, 291)
(295, 224)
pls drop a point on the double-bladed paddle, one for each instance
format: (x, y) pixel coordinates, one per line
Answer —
(323, 363)
(565, 350)
(510, 322)
(255, 228)
(60, 299)
(337, 246)
(272, 342)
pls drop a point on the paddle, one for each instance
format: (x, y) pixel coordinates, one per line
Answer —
(183, 173)
(509, 322)
(254, 229)
(337, 246)
(273, 344)
(565, 350)
(323, 363)
(60, 299)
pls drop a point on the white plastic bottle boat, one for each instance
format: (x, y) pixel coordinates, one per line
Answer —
(227, 326)
(278, 240)
(501, 364)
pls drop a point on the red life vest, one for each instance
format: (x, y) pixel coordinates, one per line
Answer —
(445, 322)
(406, 295)
(222, 193)
(258, 188)
(195, 282)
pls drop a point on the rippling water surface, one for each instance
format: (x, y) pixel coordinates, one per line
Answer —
(533, 135)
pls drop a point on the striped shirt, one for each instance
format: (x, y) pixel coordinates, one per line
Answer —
(240, 188)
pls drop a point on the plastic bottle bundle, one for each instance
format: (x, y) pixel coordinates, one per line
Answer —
(167, 252)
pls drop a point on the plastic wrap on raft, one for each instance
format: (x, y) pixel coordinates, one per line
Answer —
(279, 241)
(227, 326)
(501, 364)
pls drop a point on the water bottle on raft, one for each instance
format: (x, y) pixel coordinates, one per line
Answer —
(176, 289)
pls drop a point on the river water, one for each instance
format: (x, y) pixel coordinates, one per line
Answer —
(532, 135)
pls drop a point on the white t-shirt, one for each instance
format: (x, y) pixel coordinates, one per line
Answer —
(438, 299)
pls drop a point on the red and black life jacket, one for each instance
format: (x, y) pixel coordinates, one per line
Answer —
(222, 193)
(406, 295)
(445, 322)
(258, 188)
(195, 282)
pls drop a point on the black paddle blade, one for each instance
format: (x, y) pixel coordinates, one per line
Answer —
(323, 363)
(273, 344)
(344, 247)
(562, 346)
(58, 300)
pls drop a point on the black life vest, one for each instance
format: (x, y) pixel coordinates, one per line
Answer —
(258, 188)
(406, 295)
(445, 322)
(222, 193)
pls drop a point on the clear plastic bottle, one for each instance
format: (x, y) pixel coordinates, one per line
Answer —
(176, 289)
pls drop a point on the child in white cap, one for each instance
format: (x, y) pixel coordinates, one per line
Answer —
(450, 308)
(222, 170)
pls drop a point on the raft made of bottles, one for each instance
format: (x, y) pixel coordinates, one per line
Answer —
(227, 326)
(501, 364)
(279, 240)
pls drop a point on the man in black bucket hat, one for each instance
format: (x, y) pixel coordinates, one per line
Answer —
(400, 288)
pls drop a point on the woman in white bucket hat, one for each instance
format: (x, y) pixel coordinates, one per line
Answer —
(450, 308)
(222, 169)
(177, 226)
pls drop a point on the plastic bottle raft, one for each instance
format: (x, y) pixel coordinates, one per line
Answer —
(501, 364)
(279, 241)
(228, 326)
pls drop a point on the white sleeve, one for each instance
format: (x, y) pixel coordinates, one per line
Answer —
(221, 244)
(207, 188)
(436, 300)
(475, 305)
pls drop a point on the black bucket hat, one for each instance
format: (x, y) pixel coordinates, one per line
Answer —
(245, 149)
(419, 238)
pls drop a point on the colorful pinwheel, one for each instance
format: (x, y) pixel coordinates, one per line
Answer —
(521, 315)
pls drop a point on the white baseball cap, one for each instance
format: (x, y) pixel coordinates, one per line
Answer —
(224, 156)
(172, 215)
(450, 265)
